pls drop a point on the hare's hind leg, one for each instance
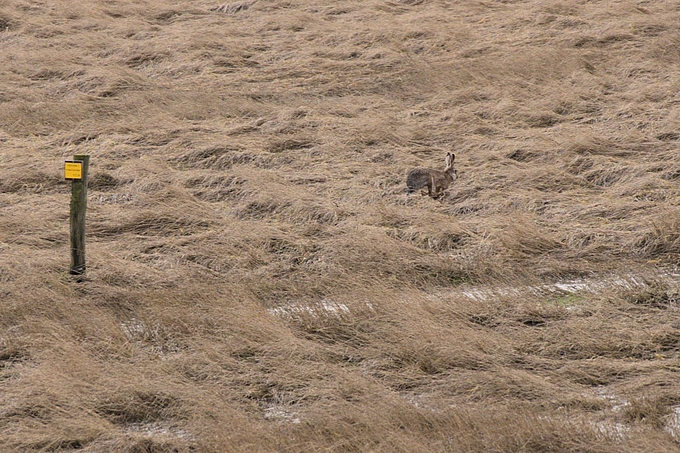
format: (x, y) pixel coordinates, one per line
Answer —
(438, 192)
(427, 188)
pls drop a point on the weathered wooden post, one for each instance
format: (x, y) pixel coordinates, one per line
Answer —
(76, 171)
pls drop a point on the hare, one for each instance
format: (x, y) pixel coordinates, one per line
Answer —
(436, 181)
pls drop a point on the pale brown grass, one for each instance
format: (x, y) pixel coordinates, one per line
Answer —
(258, 279)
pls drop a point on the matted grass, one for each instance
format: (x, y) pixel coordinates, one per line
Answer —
(258, 279)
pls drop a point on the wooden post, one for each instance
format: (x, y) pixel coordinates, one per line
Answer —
(77, 219)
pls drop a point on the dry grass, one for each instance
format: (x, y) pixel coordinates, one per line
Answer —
(258, 279)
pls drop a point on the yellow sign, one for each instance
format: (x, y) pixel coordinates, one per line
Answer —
(73, 170)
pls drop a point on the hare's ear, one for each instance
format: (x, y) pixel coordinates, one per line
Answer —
(453, 157)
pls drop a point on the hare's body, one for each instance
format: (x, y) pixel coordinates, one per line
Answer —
(436, 181)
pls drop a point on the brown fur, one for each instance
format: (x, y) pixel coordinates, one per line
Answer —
(436, 181)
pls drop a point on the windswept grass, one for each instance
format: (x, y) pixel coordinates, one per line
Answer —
(258, 279)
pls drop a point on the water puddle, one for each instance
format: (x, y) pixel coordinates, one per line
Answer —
(592, 285)
(281, 414)
(613, 430)
(615, 403)
(673, 424)
(159, 429)
(325, 307)
(566, 292)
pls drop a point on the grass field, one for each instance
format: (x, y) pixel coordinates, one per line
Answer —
(259, 281)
